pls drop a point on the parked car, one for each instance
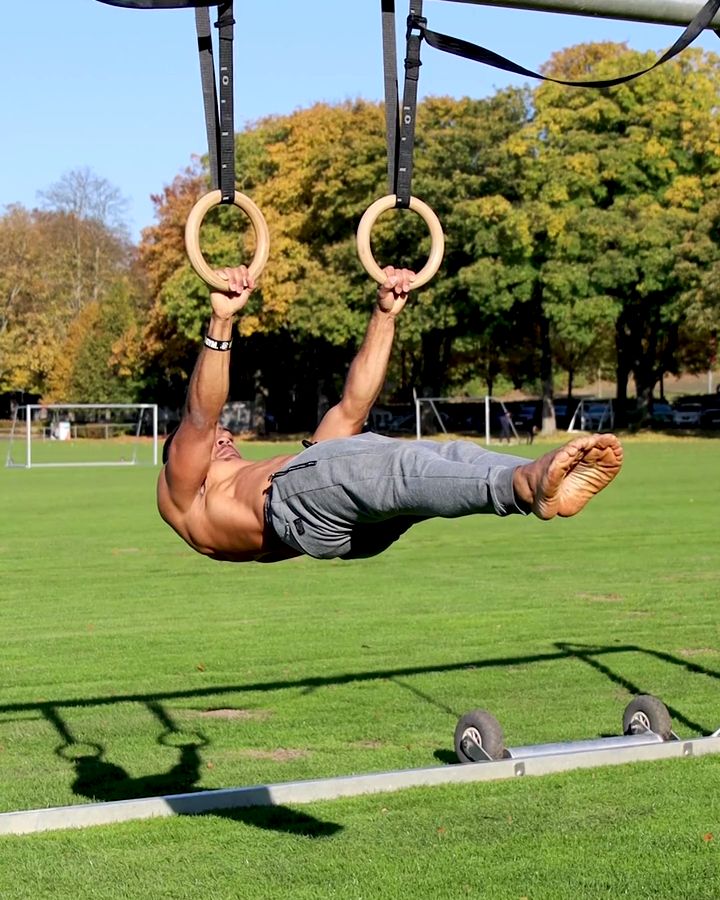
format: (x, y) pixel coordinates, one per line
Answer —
(662, 413)
(686, 413)
(596, 416)
(561, 412)
(710, 418)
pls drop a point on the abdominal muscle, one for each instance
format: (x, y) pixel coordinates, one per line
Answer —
(227, 519)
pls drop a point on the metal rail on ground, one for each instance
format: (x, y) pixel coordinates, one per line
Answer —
(298, 792)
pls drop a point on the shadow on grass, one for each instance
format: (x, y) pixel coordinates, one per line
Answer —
(588, 655)
(279, 818)
(99, 779)
(563, 651)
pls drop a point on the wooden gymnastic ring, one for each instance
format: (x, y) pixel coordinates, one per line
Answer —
(437, 239)
(192, 237)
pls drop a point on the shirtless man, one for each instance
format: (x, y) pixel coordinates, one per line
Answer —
(349, 494)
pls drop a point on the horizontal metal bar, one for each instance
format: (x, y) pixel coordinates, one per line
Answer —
(661, 12)
(93, 465)
(99, 406)
(81, 816)
(608, 743)
(76, 465)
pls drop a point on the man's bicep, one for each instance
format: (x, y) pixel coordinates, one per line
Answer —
(338, 422)
(188, 462)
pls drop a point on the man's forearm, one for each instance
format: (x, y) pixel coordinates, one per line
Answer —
(367, 373)
(210, 381)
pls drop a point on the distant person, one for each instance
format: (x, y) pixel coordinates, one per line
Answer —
(506, 426)
(348, 494)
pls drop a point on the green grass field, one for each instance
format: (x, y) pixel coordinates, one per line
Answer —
(132, 667)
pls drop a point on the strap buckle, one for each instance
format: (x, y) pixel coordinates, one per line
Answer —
(416, 23)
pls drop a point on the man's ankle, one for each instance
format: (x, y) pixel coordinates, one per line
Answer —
(522, 488)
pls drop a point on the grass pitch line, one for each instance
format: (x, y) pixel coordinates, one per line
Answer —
(293, 792)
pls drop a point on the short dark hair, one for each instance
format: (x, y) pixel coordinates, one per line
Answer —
(168, 442)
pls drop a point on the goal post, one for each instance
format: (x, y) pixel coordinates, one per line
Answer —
(83, 434)
(456, 416)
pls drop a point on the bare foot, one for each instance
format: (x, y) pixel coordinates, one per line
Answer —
(560, 483)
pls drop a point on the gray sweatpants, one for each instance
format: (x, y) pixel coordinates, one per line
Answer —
(353, 497)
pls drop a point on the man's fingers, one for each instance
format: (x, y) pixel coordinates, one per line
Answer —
(392, 282)
(398, 281)
(238, 279)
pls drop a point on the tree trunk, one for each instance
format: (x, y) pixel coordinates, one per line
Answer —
(622, 370)
(549, 425)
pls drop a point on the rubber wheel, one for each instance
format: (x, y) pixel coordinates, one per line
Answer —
(647, 712)
(479, 728)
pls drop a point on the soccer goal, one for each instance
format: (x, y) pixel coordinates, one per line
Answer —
(83, 434)
(463, 415)
(593, 415)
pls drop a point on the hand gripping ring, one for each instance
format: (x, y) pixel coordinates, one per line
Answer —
(437, 239)
(192, 237)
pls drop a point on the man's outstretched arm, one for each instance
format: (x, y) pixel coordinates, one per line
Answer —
(191, 448)
(367, 372)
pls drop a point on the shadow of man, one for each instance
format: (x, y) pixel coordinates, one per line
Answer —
(98, 779)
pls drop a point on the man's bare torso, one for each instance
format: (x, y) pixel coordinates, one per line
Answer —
(226, 520)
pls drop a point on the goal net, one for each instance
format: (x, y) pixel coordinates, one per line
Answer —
(593, 415)
(83, 434)
(484, 416)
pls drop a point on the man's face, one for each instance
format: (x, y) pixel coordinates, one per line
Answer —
(224, 446)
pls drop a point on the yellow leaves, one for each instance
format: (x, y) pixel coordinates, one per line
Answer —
(583, 164)
(686, 191)
(555, 192)
(654, 149)
(520, 145)
(556, 222)
(492, 209)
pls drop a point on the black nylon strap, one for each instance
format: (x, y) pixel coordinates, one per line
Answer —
(391, 90)
(415, 27)
(219, 126)
(225, 25)
(207, 76)
(459, 47)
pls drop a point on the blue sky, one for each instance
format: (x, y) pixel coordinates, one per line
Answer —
(118, 90)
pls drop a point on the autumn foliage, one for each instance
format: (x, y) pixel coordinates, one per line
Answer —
(582, 234)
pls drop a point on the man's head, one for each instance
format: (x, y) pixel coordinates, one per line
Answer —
(224, 446)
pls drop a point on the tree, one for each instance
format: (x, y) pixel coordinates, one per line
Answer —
(54, 264)
(93, 365)
(617, 173)
(314, 173)
(88, 211)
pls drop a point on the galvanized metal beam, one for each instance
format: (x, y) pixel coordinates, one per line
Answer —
(290, 793)
(661, 12)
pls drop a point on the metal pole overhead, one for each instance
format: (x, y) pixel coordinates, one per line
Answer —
(660, 12)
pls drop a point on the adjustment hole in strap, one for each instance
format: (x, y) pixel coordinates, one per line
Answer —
(437, 239)
(192, 237)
